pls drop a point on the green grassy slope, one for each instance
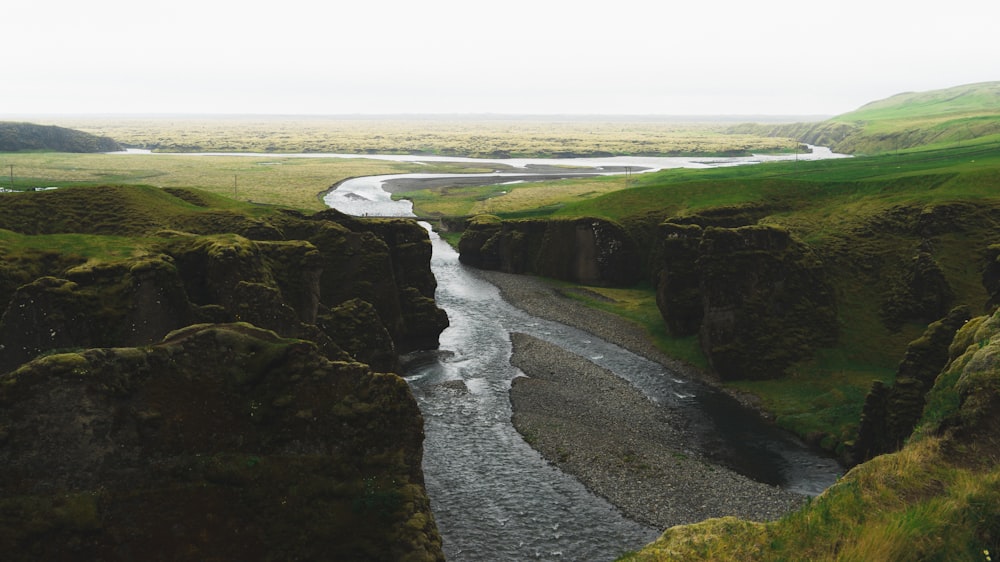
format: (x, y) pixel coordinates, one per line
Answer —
(915, 119)
(953, 115)
(971, 99)
(936, 498)
(48, 232)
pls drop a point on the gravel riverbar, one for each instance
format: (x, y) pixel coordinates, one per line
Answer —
(596, 426)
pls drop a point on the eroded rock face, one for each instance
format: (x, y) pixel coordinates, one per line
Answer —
(384, 262)
(991, 277)
(259, 429)
(921, 294)
(586, 250)
(678, 287)
(756, 297)
(221, 442)
(285, 286)
(891, 412)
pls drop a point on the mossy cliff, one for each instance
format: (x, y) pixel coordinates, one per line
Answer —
(938, 498)
(583, 250)
(222, 442)
(756, 296)
(892, 411)
(258, 429)
(286, 272)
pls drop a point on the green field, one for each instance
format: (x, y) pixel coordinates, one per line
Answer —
(270, 180)
(475, 136)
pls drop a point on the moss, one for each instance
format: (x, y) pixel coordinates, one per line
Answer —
(766, 302)
(479, 221)
(209, 428)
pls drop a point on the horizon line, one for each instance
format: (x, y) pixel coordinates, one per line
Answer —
(429, 115)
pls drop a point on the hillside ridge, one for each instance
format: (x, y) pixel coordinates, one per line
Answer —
(902, 121)
(19, 136)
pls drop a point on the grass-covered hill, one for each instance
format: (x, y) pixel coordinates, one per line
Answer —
(938, 117)
(19, 137)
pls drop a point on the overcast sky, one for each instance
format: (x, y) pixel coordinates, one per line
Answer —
(792, 57)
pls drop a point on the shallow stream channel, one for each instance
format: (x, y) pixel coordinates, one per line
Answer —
(496, 498)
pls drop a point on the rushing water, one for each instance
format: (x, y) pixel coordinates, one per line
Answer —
(493, 496)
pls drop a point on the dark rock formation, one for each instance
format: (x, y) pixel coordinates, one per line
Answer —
(259, 429)
(293, 286)
(756, 296)
(891, 412)
(675, 256)
(991, 277)
(585, 250)
(920, 295)
(223, 442)
(678, 288)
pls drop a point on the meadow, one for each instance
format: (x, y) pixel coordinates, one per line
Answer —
(474, 136)
(270, 180)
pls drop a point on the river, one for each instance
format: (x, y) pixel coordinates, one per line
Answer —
(493, 496)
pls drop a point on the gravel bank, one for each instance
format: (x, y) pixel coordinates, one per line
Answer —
(597, 427)
(545, 301)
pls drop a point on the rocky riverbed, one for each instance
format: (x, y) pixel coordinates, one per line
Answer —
(596, 426)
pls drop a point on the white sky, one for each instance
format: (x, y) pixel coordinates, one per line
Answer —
(785, 57)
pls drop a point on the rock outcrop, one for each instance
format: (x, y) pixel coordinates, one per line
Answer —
(585, 250)
(756, 296)
(920, 295)
(891, 412)
(222, 442)
(945, 479)
(991, 277)
(293, 286)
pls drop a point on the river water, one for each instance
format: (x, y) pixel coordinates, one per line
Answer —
(493, 496)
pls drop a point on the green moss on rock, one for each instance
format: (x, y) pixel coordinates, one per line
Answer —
(756, 296)
(208, 427)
